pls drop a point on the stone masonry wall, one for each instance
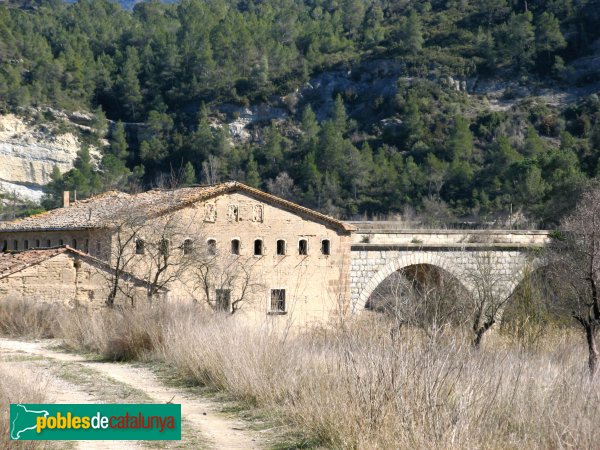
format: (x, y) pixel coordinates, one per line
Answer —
(62, 279)
(370, 267)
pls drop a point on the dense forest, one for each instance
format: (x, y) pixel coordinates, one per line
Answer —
(156, 76)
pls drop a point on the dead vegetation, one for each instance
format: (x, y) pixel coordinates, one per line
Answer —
(33, 320)
(366, 384)
(18, 388)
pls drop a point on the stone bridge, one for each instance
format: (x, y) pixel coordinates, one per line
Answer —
(381, 248)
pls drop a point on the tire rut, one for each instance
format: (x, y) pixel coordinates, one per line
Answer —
(201, 414)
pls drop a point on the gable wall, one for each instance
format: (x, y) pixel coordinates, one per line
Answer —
(62, 279)
(316, 285)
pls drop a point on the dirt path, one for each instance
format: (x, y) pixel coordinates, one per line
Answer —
(200, 414)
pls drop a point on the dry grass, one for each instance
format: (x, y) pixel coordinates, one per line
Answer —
(117, 334)
(21, 318)
(366, 385)
(14, 388)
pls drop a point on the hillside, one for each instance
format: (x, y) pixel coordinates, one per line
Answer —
(453, 109)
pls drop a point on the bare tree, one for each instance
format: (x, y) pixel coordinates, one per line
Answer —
(210, 170)
(489, 294)
(226, 283)
(421, 296)
(157, 250)
(169, 253)
(125, 233)
(574, 263)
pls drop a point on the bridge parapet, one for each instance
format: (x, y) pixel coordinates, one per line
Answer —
(382, 233)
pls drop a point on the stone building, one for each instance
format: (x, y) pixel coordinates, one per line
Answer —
(227, 245)
(63, 275)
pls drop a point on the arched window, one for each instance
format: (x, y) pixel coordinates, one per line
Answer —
(326, 247)
(140, 247)
(188, 247)
(303, 247)
(26, 244)
(258, 247)
(281, 247)
(235, 246)
(211, 247)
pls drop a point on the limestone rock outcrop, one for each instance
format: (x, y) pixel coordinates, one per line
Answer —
(28, 153)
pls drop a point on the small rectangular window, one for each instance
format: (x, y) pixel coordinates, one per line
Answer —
(26, 244)
(258, 247)
(212, 247)
(86, 247)
(16, 245)
(48, 243)
(277, 300)
(188, 247)
(74, 244)
(235, 247)
(281, 247)
(303, 247)
(37, 243)
(4, 246)
(326, 247)
(61, 242)
(223, 299)
(140, 247)
(98, 248)
(163, 247)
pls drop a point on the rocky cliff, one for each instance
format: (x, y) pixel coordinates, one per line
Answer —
(29, 152)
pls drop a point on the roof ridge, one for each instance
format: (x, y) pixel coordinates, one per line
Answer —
(109, 206)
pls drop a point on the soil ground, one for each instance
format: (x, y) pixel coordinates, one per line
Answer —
(72, 378)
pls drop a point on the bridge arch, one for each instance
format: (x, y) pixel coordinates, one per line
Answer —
(442, 261)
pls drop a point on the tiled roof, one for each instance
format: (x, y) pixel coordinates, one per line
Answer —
(13, 262)
(109, 208)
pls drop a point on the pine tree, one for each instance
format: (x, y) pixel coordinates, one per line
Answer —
(461, 143)
(118, 142)
(412, 33)
(413, 128)
(548, 40)
(519, 40)
(310, 131)
(252, 175)
(534, 146)
(129, 85)
(339, 117)
(188, 176)
(353, 15)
